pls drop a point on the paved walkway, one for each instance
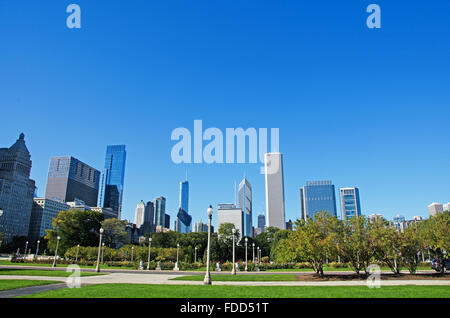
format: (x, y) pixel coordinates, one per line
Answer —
(152, 278)
(30, 290)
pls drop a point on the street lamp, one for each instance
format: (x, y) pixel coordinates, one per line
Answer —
(149, 251)
(207, 280)
(195, 254)
(233, 271)
(246, 243)
(37, 248)
(253, 253)
(132, 254)
(103, 250)
(26, 248)
(76, 256)
(56, 250)
(97, 269)
(176, 268)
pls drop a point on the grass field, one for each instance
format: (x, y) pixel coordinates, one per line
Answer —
(41, 272)
(103, 266)
(7, 284)
(241, 278)
(211, 291)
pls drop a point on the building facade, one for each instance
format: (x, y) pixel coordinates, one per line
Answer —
(273, 168)
(435, 208)
(317, 196)
(160, 212)
(139, 214)
(245, 203)
(350, 203)
(262, 222)
(229, 213)
(112, 179)
(70, 179)
(16, 189)
(183, 222)
(42, 214)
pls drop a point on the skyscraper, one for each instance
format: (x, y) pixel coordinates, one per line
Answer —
(273, 165)
(229, 213)
(149, 215)
(16, 189)
(160, 212)
(262, 222)
(350, 205)
(139, 214)
(42, 214)
(112, 181)
(183, 222)
(184, 196)
(70, 179)
(317, 196)
(245, 203)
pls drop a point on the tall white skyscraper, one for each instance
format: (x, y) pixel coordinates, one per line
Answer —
(273, 165)
(245, 203)
(229, 213)
(139, 214)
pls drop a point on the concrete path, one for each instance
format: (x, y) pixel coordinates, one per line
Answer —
(30, 290)
(127, 278)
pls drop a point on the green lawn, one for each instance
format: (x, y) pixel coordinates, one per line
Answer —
(6, 284)
(103, 266)
(202, 291)
(241, 278)
(331, 269)
(42, 272)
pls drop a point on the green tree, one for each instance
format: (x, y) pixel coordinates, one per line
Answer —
(410, 247)
(436, 235)
(74, 227)
(115, 234)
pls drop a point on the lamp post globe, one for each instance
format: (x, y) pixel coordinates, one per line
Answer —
(207, 280)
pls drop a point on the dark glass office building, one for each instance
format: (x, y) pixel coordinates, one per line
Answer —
(350, 204)
(317, 196)
(184, 221)
(111, 186)
(70, 179)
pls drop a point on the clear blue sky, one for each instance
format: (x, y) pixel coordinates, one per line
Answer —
(366, 108)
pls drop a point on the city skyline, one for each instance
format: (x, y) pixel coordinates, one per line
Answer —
(384, 90)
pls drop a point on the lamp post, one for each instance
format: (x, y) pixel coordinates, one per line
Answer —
(246, 260)
(37, 248)
(132, 254)
(76, 256)
(103, 251)
(56, 251)
(97, 269)
(253, 253)
(26, 248)
(207, 280)
(149, 251)
(195, 254)
(176, 268)
(233, 271)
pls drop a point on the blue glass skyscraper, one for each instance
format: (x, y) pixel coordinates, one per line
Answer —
(111, 189)
(350, 204)
(184, 196)
(183, 223)
(317, 196)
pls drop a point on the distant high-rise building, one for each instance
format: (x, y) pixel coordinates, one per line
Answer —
(350, 204)
(112, 180)
(229, 213)
(273, 165)
(149, 215)
(435, 208)
(317, 196)
(200, 227)
(262, 222)
(167, 221)
(446, 207)
(42, 214)
(183, 222)
(245, 203)
(139, 214)
(289, 225)
(160, 212)
(16, 189)
(375, 216)
(70, 179)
